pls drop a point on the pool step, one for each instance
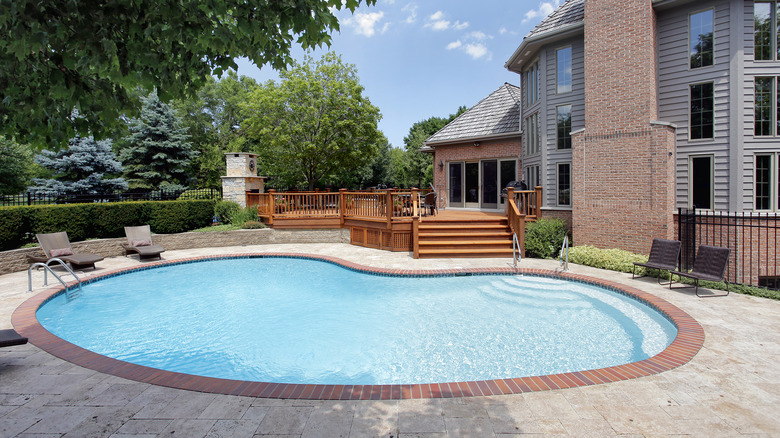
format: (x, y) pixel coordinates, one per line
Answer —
(489, 237)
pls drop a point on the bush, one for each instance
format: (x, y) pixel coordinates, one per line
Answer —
(611, 259)
(18, 225)
(544, 238)
(244, 215)
(253, 225)
(199, 194)
(225, 210)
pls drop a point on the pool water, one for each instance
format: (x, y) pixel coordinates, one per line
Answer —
(291, 320)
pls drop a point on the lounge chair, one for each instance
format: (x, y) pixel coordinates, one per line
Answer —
(9, 337)
(710, 264)
(139, 241)
(57, 245)
(663, 257)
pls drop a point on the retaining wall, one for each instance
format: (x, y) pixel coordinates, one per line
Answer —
(16, 260)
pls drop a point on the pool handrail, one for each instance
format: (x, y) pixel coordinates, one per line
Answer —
(46, 269)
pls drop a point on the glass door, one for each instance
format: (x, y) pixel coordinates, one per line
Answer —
(455, 182)
(489, 184)
(471, 188)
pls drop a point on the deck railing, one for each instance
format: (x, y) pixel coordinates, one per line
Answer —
(528, 202)
(342, 204)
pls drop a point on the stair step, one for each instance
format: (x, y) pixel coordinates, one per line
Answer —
(463, 227)
(465, 242)
(428, 237)
(471, 252)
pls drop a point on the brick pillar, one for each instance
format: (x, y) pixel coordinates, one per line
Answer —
(623, 178)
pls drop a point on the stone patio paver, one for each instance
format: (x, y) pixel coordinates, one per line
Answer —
(730, 388)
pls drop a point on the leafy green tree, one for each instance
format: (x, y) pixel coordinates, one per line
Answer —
(88, 55)
(213, 118)
(419, 166)
(157, 153)
(15, 167)
(312, 123)
(86, 167)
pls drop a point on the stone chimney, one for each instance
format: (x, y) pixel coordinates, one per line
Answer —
(241, 177)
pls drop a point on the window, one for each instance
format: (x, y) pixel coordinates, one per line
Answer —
(532, 176)
(563, 126)
(563, 188)
(702, 103)
(532, 134)
(767, 182)
(701, 182)
(532, 84)
(701, 39)
(765, 33)
(564, 70)
(766, 111)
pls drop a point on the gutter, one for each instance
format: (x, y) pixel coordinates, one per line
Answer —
(429, 145)
(560, 32)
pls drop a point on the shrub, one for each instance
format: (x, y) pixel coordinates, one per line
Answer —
(244, 215)
(611, 259)
(199, 194)
(225, 210)
(253, 225)
(544, 238)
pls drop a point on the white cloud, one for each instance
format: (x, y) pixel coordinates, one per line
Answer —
(502, 31)
(477, 51)
(411, 10)
(478, 35)
(365, 22)
(436, 21)
(545, 9)
(454, 45)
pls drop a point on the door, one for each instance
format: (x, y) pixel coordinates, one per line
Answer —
(455, 197)
(471, 187)
(489, 184)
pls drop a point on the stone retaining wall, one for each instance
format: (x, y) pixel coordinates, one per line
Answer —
(16, 260)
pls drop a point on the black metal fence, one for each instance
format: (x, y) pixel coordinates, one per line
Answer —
(76, 198)
(753, 238)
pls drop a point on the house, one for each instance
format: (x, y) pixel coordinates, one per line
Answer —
(631, 110)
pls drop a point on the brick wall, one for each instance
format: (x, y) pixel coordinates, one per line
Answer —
(501, 149)
(622, 163)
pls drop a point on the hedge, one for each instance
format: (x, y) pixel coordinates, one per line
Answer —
(18, 225)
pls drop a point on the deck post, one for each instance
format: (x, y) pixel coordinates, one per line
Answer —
(342, 205)
(538, 196)
(271, 206)
(510, 194)
(415, 202)
(389, 208)
(415, 236)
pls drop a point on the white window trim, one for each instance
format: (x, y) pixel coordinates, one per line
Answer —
(529, 91)
(773, 17)
(712, 180)
(772, 110)
(571, 110)
(557, 182)
(713, 39)
(532, 134)
(774, 202)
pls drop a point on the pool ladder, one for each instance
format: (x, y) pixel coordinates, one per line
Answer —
(517, 256)
(565, 254)
(46, 270)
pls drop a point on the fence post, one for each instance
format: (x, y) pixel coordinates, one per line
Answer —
(29, 198)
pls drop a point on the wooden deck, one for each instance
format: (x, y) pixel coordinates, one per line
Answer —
(451, 214)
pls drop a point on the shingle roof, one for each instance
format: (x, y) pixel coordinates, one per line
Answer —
(496, 114)
(571, 11)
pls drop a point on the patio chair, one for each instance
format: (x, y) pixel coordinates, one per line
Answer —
(429, 203)
(710, 264)
(57, 245)
(9, 337)
(663, 257)
(139, 241)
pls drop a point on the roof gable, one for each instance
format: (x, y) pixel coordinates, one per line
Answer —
(497, 114)
(570, 12)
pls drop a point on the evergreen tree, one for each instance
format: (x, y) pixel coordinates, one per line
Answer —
(84, 168)
(157, 153)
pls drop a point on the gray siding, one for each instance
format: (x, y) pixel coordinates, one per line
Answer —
(674, 81)
(752, 144)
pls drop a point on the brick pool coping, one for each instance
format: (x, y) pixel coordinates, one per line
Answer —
(689, 340)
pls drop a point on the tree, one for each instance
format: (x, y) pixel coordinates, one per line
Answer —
(88, 55)
(157, 153)
(85, 167)
(313, 123)
(213, 118)
(15, 167)
(419, 166)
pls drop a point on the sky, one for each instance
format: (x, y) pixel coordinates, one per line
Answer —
(425, 58)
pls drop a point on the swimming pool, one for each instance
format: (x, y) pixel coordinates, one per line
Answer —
(362, 330)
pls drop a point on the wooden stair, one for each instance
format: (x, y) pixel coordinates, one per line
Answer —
(479, 237)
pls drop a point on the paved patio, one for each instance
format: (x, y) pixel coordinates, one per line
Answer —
(731, 388)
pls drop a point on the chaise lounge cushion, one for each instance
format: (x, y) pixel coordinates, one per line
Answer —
(9, 337)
